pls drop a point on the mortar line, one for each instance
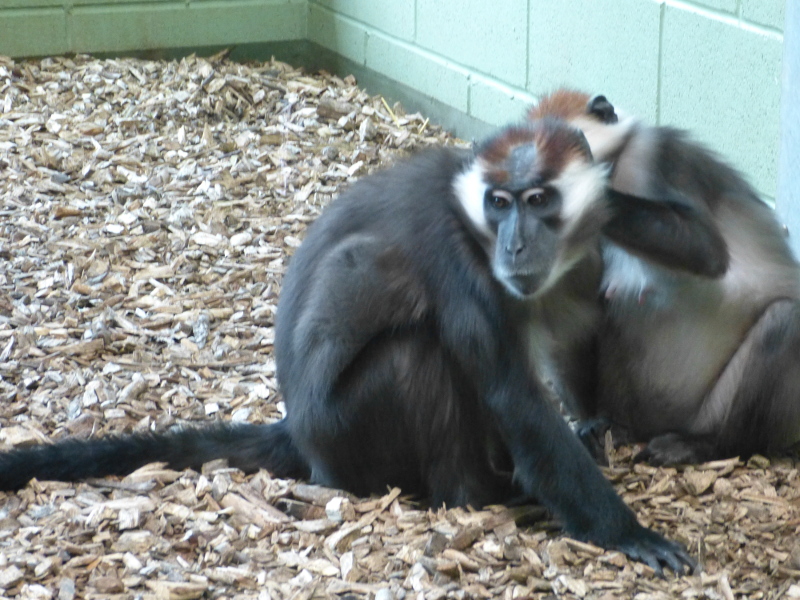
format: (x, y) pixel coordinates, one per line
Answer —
(660, 61)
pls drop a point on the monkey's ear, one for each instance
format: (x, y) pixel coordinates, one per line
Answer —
(601, 108)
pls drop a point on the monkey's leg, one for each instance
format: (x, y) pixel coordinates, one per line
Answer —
(402, 415)
(249, 447)
(373, 399)
(360, 289)
(753, 407)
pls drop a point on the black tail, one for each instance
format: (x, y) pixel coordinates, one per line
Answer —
(248, 447)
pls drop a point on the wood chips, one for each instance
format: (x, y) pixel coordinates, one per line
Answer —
(147, 210)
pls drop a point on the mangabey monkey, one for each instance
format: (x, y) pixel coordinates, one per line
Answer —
(402, 345)
(699, 353)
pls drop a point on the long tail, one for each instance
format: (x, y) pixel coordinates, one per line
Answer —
(248, 447)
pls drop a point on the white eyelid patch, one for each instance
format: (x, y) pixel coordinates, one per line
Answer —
(503, 194)
(525, 196)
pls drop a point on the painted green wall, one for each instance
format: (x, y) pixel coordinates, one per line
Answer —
(711, 66)
(45, 27)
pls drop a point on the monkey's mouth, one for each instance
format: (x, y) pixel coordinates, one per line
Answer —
(523, 284)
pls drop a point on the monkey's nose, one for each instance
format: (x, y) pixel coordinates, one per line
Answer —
(514, 251)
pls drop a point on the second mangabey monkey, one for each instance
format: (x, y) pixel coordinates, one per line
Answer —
(699, 353)
(406, 344)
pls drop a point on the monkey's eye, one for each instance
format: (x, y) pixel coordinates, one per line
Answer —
(500, 199)
(535, 197)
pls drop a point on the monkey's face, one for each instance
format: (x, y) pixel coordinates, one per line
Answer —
(526, 224)
(537, 198)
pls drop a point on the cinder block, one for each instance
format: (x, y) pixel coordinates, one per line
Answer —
(765, 12)
(116, 28)
(423, 71)
(723, 5)
(244, 21)
(489, 37)
(723, 83)
(32, 32)
(600, 46)
(123, 2)
(337, 33)
(167, 25)
(395, 17)
(495, 103)
(29, 3)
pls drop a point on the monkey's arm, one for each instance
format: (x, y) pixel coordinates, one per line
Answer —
(671, 232)
(552, 465)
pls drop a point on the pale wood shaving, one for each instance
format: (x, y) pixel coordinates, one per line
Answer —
(147, 213)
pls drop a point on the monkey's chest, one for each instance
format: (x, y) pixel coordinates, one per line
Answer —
(557, 336)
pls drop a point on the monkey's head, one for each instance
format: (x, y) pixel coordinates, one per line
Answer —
(605, 129)
(538, 200)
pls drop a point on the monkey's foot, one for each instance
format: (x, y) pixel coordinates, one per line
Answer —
(592, 433)
(674, 449)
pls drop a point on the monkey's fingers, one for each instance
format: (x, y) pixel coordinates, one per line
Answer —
(675, 557)
(655, 551)
(679, 560)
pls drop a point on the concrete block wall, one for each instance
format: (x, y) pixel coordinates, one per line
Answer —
(711, 66)
(48, 27)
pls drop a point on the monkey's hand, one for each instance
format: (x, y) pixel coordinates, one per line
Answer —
(656, 552)
(552, 465)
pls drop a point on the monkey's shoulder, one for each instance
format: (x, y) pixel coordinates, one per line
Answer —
(401, 226)
(409, 208)
(419, 183)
